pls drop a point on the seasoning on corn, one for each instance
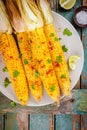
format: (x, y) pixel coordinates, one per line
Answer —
(55, 48)
(39, 48)
(28, 61)
(11, 56)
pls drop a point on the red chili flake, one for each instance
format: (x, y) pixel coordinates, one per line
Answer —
(56, 64)
(39, 61)
(32, 67)
(42, 66)
(11, 57)
(49, 71)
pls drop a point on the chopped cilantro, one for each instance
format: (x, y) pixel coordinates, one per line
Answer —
(33, 87)
(64, 48)
(52, 88)
(56, 39)
(37, 74)
(63, 76)
(59, 58)
(19, 41)
(49, 60)
(25, 61)
(16, 73)
(67, 32)
(5, 69)
(6, 82)
(13, 104)
(51, 34)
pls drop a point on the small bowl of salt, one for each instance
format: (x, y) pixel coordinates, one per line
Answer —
(80, 16)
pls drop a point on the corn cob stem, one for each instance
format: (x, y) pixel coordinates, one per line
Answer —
(15, 68)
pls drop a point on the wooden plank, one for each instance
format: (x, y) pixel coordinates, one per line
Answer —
(22, 121)
(76, 103)
(84, 40)
(84, 122)
(10, 122)
(1, 122)
(40, 122)
(67, 122)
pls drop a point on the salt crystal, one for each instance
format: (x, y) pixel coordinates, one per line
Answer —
(82, 17)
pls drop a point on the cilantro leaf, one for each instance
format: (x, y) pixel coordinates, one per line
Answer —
(52, 88)
(6, 82)
(37, 74)
(5, 69)
(25, 61)
(67, 32)
(59, 58)
(63, 76)
(64, 48)
(49, 60)
(16, 73)
(51, 34)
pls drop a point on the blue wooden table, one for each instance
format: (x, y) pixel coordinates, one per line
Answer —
(71, 115)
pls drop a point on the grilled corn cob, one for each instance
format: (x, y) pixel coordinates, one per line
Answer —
(39, 48)
(55, 48)
(11, 57)
(29, 62)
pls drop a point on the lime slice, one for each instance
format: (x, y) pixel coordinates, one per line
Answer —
(72, 61)
(67, 4)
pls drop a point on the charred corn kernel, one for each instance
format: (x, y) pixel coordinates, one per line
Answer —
(40, 51)
(15, 68)
(58, 58)
(29, 64)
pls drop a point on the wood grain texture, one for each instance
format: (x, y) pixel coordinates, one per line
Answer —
(84, 122)
(76, 103)
(1, 122)
(67, 122)
(10, 122)
(40, 122)
(22, 121)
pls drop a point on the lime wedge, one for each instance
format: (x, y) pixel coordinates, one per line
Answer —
(67, 4)
(72, 61)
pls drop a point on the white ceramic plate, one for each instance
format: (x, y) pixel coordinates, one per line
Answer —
(74, 45)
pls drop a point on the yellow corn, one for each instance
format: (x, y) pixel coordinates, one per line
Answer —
(58, 58)
(29, 66)
(40, 51)
(14, 66)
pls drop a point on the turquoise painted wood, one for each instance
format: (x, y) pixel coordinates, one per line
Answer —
(67, 122)
(10, 122)
(39, 122)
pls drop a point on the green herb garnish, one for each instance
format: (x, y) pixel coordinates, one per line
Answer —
(51, 34)
(25, 61)
(52, 88)
(63, 76)
(56, 39)
(59, 58)
(16, 73)
(67, 32)
(49, 60)
(37, 74)
(6, 82)
(13, 104)
(33, 87)
(5, 69)
(64, 48)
